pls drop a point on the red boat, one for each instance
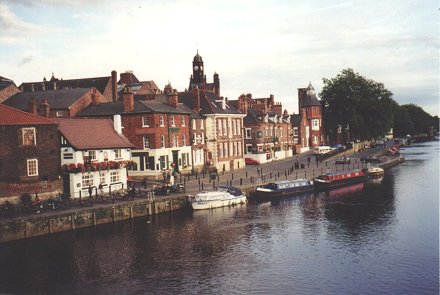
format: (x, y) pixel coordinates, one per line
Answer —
(332, 180)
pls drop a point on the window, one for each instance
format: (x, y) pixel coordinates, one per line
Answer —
(32, 167)
(87, 180)
(146, 142)
(235, 149)
(203, 137)
(161, 121)
(182, 119)
(102, 177)
(92, 155)
(194, 124)
(202, 123)
(174, 140)
(259, 134)
(173, 121)
(220, 150)
(60, 113)
(114, 176)
(225, 149)
(184, 140)
(315, 139)
(224, 127)
(219, 127)
(249, 149)
(68, 156)
(239, 148)
(315, 124)
(185, 159)
(162, 141)
(63, 140)
(118, 154)
(145, 122)
(234, 131)
(295, 131)
(29, 136)
(248, 133)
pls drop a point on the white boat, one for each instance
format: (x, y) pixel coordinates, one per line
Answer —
(375, 172)
(221, 197)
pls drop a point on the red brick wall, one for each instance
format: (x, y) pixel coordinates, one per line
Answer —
(84, 102)
(135, 132)
(8, 92)
(13, 160)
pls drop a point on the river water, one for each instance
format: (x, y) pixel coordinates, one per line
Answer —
(379, 238)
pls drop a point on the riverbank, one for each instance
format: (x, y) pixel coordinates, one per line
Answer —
(248, 180)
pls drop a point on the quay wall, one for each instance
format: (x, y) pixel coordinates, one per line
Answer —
(54, 222)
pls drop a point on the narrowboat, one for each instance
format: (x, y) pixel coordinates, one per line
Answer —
(223, 196)
(283, 188)
(332, 180)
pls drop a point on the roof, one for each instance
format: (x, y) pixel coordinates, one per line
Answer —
(5, 82)
(210, 103)
(87, 133)
(11, 116)
(100, 83)
(310, 98)
(252, 117)
(57, 99)
(295, 119)
(140, 107)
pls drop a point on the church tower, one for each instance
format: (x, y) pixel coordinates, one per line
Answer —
(198, 77)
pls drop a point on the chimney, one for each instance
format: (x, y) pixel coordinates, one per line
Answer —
(128, 100)
(224, 100)
(196, 98)
(168, 89)
(173, 98)
(44, 108)
(216, 84)
(117, 123)
(32, 107)
(43, 86)
(114, 86)
(93, 95)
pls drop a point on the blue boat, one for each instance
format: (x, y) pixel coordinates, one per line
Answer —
(283, 188)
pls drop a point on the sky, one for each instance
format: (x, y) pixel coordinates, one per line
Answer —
(258, 47)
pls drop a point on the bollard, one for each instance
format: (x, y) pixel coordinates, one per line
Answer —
(296, 174)
(278, 174)
(241, 181)
(202, 186)
(218, 178)
(305, 173)
(213, 184)
(246, 174)
(313, 172)
(270, 175)
(326, 163)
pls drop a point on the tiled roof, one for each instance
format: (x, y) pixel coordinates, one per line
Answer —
(208, 102)
(85, 134)
(100, 83)
(57, 99)
(11, 116)
(5, 82)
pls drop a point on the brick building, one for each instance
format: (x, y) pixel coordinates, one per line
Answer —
(310, 109)
(7, 88)
(268, 131)
(29, 155)
(106, 85)
(158, 128)
(56, 103)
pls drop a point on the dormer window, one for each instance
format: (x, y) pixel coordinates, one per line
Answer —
(161, 121)
(173, 121)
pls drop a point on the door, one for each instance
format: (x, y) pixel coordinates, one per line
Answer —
(176, 160)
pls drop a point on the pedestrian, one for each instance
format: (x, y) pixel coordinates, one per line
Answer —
(308, 161)
(145, 182)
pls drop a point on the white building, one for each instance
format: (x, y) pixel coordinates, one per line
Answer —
(94, 156)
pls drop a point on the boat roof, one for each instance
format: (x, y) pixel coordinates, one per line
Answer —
(287, 181)
(342, 172)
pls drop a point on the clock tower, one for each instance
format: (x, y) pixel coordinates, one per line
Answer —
(198, 76)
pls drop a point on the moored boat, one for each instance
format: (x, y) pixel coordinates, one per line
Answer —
(221, 197)
(332, 180)
(374, 172)
(283, 188)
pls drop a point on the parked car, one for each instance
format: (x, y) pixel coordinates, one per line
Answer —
(370, 159)
(339, 147)
(249, 161)
(343, 160)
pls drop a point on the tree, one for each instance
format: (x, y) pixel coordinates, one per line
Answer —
(422, 121)
(360, 107)
(403, 124)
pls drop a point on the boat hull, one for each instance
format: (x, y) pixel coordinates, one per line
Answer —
(268, 195)
(211, 204)
(328, 185)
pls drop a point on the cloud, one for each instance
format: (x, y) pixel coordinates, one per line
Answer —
(26, 60)
(11, 24)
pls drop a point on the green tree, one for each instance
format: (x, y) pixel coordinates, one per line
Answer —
(362, 107)
(403, 124)
(423, 122)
